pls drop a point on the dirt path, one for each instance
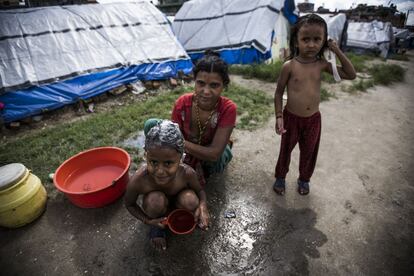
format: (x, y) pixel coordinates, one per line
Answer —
(358, 219)
(362, 199)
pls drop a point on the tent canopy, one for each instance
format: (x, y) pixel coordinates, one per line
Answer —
(52, 56)
(336, 26)
(240, 30)
(409, 22)
(374, 36)
(41, 45)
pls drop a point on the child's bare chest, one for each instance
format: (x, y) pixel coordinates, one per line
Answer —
(179, 183)
(305, 75)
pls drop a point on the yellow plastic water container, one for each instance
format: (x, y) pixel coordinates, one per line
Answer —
(22, 196)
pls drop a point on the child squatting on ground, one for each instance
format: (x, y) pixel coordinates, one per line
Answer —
(300, 120)
(165, 183)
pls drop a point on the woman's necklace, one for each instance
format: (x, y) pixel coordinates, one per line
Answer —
(202, 128)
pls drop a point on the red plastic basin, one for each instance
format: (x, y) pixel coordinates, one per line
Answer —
(95, 177)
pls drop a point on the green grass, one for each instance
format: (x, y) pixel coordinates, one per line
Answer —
(253, 107)
(270, 72)
(360, 85)
(328, 78)
(383, 74)
(267, 72)
(399, 57)
(386, 73)
(44, 150)
(326, 95)
(359, 61)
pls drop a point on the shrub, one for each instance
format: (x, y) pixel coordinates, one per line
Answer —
(267, 72)
(386, 73)
(359, 61)
(361, 85)
(325, 95)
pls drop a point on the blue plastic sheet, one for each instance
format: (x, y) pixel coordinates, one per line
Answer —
(238, 56)
(20, 104)
(288, 11)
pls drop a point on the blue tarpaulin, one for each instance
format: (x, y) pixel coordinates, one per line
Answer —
(38, 99)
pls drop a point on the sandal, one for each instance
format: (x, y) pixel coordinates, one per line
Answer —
(279, 186)
(159, 234)
(303, 187)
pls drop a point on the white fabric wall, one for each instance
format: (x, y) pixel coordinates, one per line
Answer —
(50, 43)
(221, 24)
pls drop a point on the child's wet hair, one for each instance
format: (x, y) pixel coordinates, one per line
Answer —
(165, 134)
(309, 19)
(212, 63)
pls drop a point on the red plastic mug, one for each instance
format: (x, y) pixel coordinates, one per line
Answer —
(180, 222)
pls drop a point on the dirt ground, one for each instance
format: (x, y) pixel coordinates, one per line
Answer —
(357, 220)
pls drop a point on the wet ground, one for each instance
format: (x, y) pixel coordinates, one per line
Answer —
(357, 220)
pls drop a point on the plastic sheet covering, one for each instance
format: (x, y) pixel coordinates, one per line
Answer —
(280, 43)
(400, 33)
(228, 27)
(336, 26)
(53, 56)
(38, 99)
(410, 19)
(289, 11)
(375, 36)
(48, 44)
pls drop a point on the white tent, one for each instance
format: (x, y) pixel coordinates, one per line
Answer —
(375, 36)
(61, 41)
(409, 22)
(241, 30)
(337, 25)
(52, 56)
(280, 42)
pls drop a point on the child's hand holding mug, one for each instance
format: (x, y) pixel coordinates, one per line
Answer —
(157, 222)
(202, 216)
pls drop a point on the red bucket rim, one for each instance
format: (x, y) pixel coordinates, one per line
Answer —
(83, 152)
(176, 211)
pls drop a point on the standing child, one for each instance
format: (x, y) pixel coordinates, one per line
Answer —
(300, 120)
(165, 182)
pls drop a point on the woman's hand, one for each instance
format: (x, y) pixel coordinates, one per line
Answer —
(202, 216)
(279, 126)
(156, 222)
